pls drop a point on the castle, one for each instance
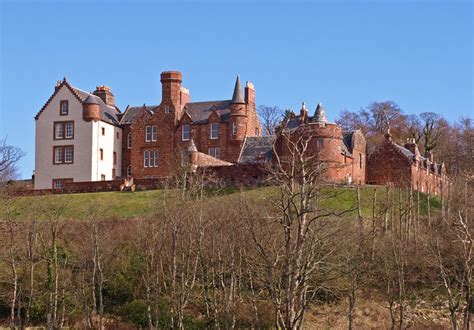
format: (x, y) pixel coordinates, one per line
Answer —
(83, 137)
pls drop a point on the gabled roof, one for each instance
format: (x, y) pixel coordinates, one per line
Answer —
(108, 114)
(200, 111)
(132, 112)
(257, 149)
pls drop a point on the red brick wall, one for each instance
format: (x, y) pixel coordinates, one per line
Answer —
(126, 153)
(339, 166)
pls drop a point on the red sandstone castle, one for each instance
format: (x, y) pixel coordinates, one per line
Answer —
(84, 137)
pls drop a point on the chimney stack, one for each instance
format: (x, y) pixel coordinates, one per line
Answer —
(105, 94)
(171, 92)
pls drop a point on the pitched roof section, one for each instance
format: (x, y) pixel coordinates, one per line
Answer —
(200, 111)
(319, 114)
(132, 112)
(108, 113)
(238, 96)
(257, 149)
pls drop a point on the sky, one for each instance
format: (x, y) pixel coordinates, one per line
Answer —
(345, 54)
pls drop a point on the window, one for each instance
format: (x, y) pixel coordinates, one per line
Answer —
(257, 132)
(234, 128)
(360, 160)
(150, 158)
(148, 133)
(118, 135)
(129, 140)
(63, 108)
(167, 108)
(69, 130)
(154, 133)
(129, 170)
(57, 184)
(103, 130)
(63, 154)
(102, 177)
(185, 133)
(320, 143)
(214, 131)
(63, 130)
(146, 159)
(155, 158)
(58, 131)
(115, 158)
(101, 154)
(58, 155)
(214, 152)
(69, 154)
(113, 173)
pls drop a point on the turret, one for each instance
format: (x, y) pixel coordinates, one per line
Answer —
(105, 94)
(238, 114)
(90, 109)
(171, 93)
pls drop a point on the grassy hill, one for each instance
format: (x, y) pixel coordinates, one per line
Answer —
(126, 205)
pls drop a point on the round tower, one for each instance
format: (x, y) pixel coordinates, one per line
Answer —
(91, 109)
(238, 114)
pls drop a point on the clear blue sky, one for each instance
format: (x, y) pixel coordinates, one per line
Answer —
(345, 54)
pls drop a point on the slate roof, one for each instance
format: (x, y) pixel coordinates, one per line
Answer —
(132, 112)
(238, 96)
(410, 155)
(200, 111)
(257, 149)
(108, 114)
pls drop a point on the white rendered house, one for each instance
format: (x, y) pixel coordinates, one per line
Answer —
(78, 137)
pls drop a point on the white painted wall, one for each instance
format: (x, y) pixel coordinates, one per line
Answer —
(87, 141)
(80, 170)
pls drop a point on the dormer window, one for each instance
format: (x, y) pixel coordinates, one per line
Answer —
(63, 107)
(186, 132)
(214, 131)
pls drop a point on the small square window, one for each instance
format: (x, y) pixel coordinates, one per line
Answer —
(57, 184)
(185, 133)
(102, 177)
(214, 131)
(63, 107)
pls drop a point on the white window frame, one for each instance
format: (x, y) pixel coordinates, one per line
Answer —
(214, 152)
(64, 105)
(57, 184)
(147, 133)
(71, 149)
(154, 133)
(59, 128)
(58, 155)
(155, 158)
(184, 131)
(214, 128)
(129, 141)
(146, 159)
(69, 130)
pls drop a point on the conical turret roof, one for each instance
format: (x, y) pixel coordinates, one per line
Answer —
(91, 100)
(319, 114)
(238, 96)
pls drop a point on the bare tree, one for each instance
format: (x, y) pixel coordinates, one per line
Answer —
(9, 157)
(271, 117)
